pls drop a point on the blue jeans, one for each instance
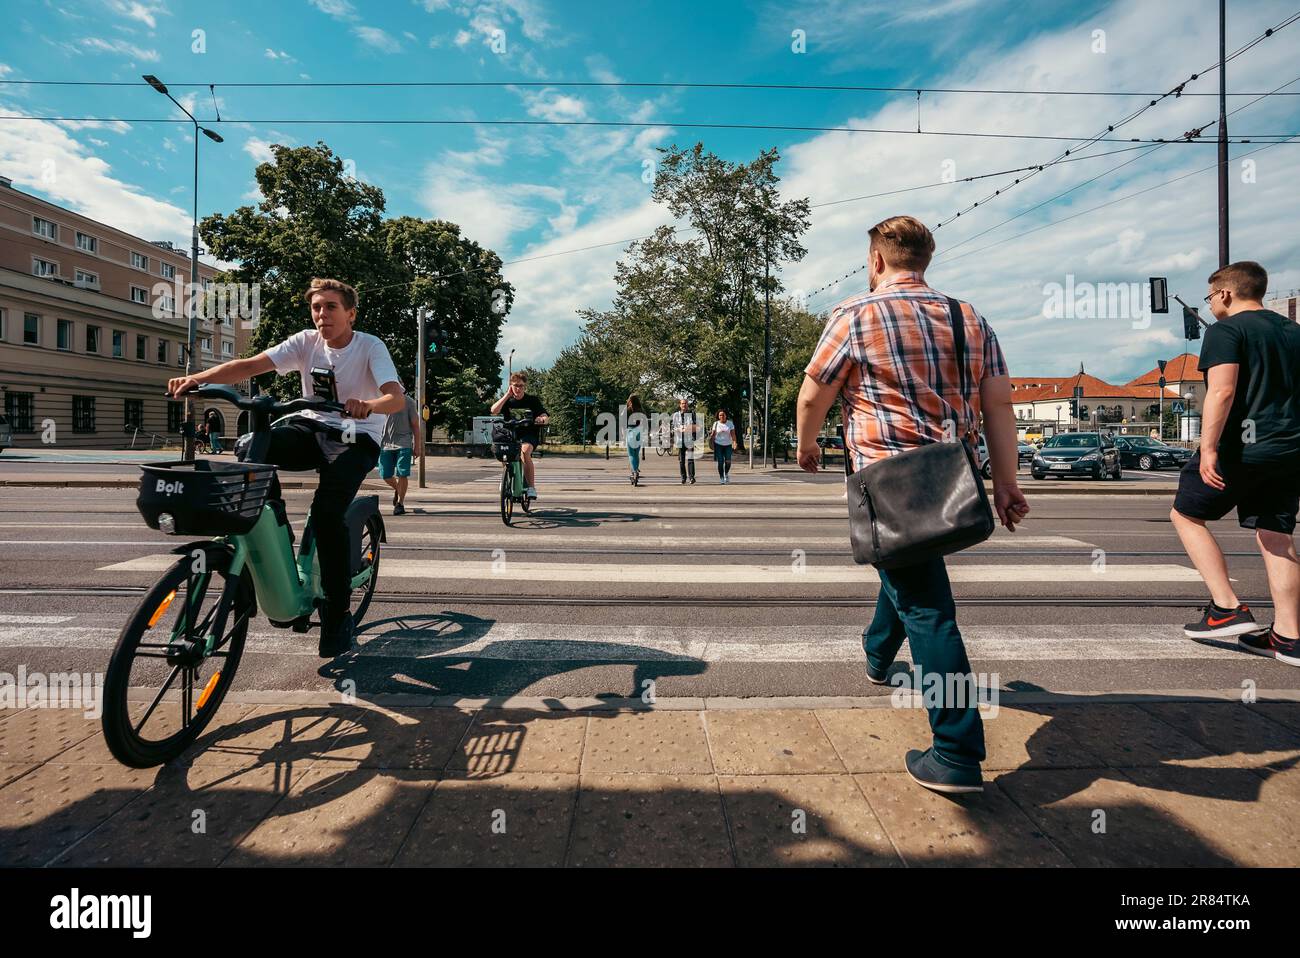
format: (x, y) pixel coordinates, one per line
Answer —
(916, 603)
(722, 456)
(634, 457)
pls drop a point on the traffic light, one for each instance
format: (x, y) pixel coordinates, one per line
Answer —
(438, 339)
(1074, 408)
(1191, 323)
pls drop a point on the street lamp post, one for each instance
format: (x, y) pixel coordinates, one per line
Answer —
(153, 81)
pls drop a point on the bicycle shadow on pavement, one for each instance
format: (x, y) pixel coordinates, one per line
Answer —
(454, 653)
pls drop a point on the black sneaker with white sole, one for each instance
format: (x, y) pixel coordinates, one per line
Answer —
(932, 772)
(1268, 643)
(1217, 623)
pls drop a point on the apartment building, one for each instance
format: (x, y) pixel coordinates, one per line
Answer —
(88, 339)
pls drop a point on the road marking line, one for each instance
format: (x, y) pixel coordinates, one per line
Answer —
(34, 619)
(428, 637)
(783, 574)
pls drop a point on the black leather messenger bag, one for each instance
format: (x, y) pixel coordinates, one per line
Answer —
(923, 502)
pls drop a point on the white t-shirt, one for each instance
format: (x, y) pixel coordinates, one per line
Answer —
(722, 433)
(360, 368)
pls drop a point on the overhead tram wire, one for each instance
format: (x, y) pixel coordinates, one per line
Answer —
(1175, 92)
(1187, 137)
(614, 84)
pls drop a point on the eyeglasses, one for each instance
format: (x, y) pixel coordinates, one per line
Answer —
(1213, 294)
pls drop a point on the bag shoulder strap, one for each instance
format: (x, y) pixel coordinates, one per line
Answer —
(959, 349)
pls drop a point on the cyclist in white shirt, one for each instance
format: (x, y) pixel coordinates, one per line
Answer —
(343, 452)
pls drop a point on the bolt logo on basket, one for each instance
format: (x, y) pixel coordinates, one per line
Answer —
(169, 488)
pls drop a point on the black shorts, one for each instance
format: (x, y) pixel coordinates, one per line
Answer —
(1265, 496)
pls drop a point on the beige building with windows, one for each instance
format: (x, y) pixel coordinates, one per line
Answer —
(88, 338)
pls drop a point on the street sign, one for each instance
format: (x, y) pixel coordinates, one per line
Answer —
(1162, 363)
(1178, 407)
(1159, 294)
(585, 400)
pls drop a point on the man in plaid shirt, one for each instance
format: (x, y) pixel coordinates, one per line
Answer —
(889, 356)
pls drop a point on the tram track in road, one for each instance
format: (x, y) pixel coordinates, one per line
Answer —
(555, 599)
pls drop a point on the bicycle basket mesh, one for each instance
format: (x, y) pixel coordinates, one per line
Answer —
(205, 498)
(505, 451)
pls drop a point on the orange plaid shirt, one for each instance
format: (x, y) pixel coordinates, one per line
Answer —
(903, 380)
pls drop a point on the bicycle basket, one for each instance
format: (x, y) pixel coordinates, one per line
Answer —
(204, 498)
(505, 451)
(503, 434)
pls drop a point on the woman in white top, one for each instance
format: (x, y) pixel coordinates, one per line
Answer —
(722, 437)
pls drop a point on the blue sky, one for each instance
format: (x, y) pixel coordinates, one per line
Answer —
(533, 191)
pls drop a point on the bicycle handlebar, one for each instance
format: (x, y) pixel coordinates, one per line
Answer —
(266, 403)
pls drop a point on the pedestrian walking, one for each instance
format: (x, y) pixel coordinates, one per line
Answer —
(403, 435)
(685, 430)
(635, 435)
(722, 438)
(1249, 458)
(214, 431)
(913, 367)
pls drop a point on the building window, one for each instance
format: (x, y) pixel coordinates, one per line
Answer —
(228, 348)
(31, 329)
(44, 267)
(140, 295)
(175, 415)
(133, 415)
(206, 344)
(44, 228)
(119, 344)
(65, 334)
(168, 270)
(140, 261)
(18, 410)
(87, 279)
(4, 315)
(168, 303)
(83, 413)
(180, 354)
(141, 347)
(87, 242)
(92, 339)
(162, 350)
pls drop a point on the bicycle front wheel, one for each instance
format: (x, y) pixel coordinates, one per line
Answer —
(507, 495)
(174, 662)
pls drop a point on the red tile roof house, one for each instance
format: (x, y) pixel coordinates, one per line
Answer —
(1045, 399)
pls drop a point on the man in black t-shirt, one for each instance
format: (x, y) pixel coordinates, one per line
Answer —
(518, 403)
(1249, 458)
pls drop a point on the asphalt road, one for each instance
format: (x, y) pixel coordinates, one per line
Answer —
(744, 590)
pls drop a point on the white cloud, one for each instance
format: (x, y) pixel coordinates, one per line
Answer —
(259, 150)
(463, 37)
(279, 55)
(145, 13)
(45, 159)
(377, 38)
(99, 45)
(5, 69)
(115, 126)
(339, 9)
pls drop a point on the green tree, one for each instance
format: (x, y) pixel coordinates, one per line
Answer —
(688, 314)
(314, 220)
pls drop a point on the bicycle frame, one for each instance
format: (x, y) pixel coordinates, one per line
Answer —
(516, 469)
(286, 586)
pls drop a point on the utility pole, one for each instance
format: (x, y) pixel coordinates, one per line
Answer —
(751, 416)
(187, 450)
(1223, 136)
(767, 341)
(419, 382)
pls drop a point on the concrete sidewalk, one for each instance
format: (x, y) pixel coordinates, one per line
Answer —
(1132, 781)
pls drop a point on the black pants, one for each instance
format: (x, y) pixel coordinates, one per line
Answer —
(299, 446)
(686, 460)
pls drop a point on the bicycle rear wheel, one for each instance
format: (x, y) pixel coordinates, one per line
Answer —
(370, 535)
(163, 653)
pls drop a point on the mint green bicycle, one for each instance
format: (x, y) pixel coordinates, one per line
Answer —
(186, 637)
(506, 450)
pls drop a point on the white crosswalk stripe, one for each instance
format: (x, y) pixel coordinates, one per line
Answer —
(426, 637)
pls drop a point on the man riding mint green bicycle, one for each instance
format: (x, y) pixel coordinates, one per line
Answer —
(360, 370)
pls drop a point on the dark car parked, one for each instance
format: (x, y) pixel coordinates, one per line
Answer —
(1139, 452)
(1078, 454)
